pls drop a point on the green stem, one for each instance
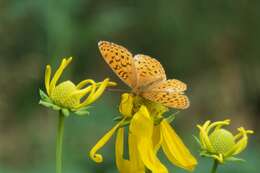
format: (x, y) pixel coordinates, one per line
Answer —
(215, 166)
(59, 139)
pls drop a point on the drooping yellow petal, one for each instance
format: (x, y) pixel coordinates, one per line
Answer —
(99, 91)
(89, 98)
(93, 152)
(141, 127)
(175, 149)
(95, 94)
(242, 140)
(218, 125)
(137, 164)
(157, 138)
(58, 73)
(204, 137)
(84, 83)
(47, 78)
(123, 165)
(82, 92)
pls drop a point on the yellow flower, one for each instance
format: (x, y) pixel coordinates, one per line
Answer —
(148, 132)
(67, 96)
(221, 144)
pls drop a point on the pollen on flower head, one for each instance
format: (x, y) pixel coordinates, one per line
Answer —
(222, 141)
(63, 96)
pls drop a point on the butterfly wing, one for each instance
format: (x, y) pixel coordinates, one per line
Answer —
(120, 60)
(169, 93)
(148, 71)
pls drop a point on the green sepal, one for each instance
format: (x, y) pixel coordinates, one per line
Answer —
(234, 159)
(44, 96)
(65, 112)
(205, 154)
(118, 118)
(170, 118)
(157, 121)
(49, 105)
(197, 140)
(125, 123)
(82, 111)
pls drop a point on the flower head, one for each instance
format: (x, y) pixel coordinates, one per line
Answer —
(67, 96)
(220, 144)
(149, 130)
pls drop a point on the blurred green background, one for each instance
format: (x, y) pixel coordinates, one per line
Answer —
(213, 46)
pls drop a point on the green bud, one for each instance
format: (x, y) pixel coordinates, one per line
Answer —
(62, 95)
(222, 141)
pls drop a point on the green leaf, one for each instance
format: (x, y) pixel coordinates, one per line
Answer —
(44, 96)
(65, 112)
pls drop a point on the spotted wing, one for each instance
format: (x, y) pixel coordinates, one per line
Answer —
(148, 71)
(120, 61)
(169, 93)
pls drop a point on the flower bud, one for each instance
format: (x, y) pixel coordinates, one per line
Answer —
(62, 95)
(222, 141)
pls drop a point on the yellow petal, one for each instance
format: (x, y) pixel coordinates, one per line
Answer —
(204, 137)
(93, 152)
(84, 83)
(137, 164)
(126, 105)
(242, 140)
(157, 138)
(58, 73)
(99, 91)
(141, 128)
(175, 149)
(123, 165)
(47, 78)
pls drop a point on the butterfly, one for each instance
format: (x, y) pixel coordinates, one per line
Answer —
(145, 75)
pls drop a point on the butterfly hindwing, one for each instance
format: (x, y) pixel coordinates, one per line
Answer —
(172, 100)
(120, 60)
(171, 85)
(168, 93)
(148, 71)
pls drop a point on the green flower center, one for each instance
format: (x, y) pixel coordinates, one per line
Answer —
(222, 141)
(63, 96)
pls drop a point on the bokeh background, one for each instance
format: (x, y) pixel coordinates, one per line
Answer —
(211, 45)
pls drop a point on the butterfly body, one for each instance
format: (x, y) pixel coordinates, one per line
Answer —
(144, 75)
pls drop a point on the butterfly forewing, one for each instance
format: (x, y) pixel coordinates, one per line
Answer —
(120, 60)
(148, 71)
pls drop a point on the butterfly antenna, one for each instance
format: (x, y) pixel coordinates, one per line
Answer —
(177, 112)
(117, 90)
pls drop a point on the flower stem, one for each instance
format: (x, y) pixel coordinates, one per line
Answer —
(59, 140)
(215, 166)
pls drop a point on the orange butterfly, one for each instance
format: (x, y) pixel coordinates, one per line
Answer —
(145, 75)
